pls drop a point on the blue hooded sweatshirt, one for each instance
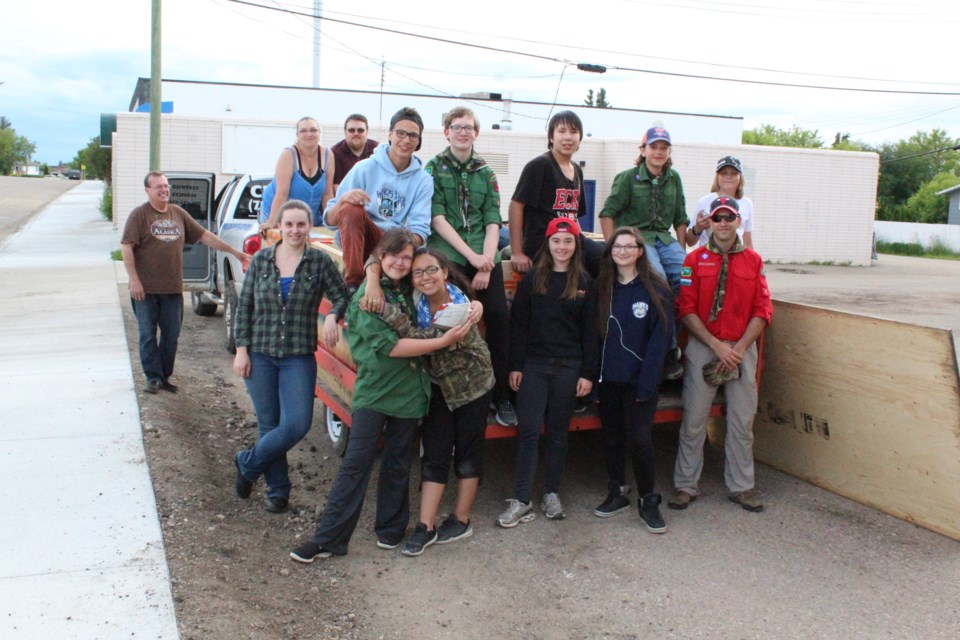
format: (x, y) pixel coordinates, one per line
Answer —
(636, 343)
(397, 200)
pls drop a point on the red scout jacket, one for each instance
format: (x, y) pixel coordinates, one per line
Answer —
(747, 295)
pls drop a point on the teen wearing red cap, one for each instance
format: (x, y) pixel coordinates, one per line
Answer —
(553, 360)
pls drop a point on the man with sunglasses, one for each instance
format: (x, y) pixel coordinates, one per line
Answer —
(353, 148)
(649, 197)
(388, 190)
(725, 305)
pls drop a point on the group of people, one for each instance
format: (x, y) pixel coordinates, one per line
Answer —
(590, 320)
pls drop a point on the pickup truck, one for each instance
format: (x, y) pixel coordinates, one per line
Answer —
(214, 278)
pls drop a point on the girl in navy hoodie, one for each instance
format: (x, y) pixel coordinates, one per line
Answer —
(635, 322)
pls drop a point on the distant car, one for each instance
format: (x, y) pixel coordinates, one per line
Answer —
(74, 174)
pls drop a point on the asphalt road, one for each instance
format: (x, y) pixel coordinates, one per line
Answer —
(20, 198)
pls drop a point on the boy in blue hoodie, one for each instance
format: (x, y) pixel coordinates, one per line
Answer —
(389, 190)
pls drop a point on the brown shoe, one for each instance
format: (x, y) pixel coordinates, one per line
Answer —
(680, 499)
(749, 500)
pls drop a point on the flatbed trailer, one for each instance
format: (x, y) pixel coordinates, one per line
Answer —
(337, 373)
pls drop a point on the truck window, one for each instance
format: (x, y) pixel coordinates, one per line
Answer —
(248, 208)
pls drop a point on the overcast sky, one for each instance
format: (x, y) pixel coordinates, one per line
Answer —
(62, 63)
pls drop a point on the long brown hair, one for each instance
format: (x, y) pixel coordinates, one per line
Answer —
(544, 265)
(652, 281)
(454, 276)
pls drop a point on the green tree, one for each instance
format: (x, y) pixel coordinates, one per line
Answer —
(599, 100)
(13, 149)
(770, 136)
(96, 160)
(908, 164)
(4, 123)
(842, 142)
(925, 205)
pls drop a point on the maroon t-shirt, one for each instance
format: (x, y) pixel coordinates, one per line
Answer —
(344, 158)
(157, 239)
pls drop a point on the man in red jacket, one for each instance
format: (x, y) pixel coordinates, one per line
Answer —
(724, 303)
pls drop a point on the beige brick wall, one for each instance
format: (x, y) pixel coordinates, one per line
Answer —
(810, 205)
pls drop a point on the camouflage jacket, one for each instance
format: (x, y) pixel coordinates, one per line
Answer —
(463, 372)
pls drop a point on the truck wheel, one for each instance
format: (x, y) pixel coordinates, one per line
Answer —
(230, 303)
(338, 432)
(200, 306)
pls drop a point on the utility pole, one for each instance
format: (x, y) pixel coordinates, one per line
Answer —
(317, 8)
(383, 66)
(155, 93)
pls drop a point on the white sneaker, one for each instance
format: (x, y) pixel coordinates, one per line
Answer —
(516, 513)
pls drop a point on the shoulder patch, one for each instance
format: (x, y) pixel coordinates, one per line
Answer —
(685, 282)
(686, 272)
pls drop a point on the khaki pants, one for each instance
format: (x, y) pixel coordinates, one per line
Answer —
(741, 397)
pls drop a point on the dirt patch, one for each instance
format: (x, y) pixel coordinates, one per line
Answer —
(228, 559)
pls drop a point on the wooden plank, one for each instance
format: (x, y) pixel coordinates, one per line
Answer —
(866, 408)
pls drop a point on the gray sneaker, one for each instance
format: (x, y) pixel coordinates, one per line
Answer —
(516, 513)
(551, 507)
(505, 414)
(452, 530)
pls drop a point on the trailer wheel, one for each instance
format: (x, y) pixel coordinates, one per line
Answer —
(338, 432)
(200, 306)
(230, 303)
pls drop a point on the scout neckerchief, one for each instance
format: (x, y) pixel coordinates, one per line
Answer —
(722, 282)
(396, 293)
(422, 303)
(474, 163)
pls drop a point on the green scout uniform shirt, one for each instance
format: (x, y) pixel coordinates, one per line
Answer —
(397, 387)
(654, 208)
(451, 182)
(463, 372)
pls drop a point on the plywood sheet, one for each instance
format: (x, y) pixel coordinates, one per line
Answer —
(864, 407)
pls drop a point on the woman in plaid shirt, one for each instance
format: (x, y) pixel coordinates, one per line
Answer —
(276, 340)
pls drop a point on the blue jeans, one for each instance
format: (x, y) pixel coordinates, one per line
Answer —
(345, 501)
(163, 311)
(667, 260)
(282, 393)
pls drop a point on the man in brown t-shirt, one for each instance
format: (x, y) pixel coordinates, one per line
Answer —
(152, 248)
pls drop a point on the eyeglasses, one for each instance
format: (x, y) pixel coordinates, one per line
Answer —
(407, 134)
(356, 130)
(457, 128)
(625, 248)
(430, 271)
(402, 259)
(314, 130)
(730, 217)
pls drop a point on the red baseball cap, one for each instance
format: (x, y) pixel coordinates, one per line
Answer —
(564, 224)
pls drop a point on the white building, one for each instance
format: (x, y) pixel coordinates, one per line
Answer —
(810, 205)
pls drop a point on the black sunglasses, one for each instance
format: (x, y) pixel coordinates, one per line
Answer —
(730, 217)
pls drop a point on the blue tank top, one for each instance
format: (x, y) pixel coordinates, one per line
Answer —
(300, 189)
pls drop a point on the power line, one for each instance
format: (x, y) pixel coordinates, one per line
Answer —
(925, 153)
(630, 69)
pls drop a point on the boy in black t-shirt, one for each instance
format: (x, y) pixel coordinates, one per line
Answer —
(550, 186)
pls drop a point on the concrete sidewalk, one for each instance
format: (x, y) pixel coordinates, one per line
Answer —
(81, 552)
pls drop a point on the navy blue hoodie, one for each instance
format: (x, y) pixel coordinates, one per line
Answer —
(636, 343)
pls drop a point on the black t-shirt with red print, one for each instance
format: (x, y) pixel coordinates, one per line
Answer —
(546, 193)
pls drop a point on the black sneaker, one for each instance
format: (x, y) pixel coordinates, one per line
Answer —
(650, 513)
(614, 504)
(308, 552)
(452, 530)
(420, 540)
(276, 505)
(241, 484)
(153, 386)
(389, 540)
(672, 369)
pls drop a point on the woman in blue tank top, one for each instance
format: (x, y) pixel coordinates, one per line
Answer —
(301, 174)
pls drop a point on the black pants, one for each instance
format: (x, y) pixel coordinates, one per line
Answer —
(627, 426)
(548, 393)
(342, 512)
(458, 435)
(496, 318)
